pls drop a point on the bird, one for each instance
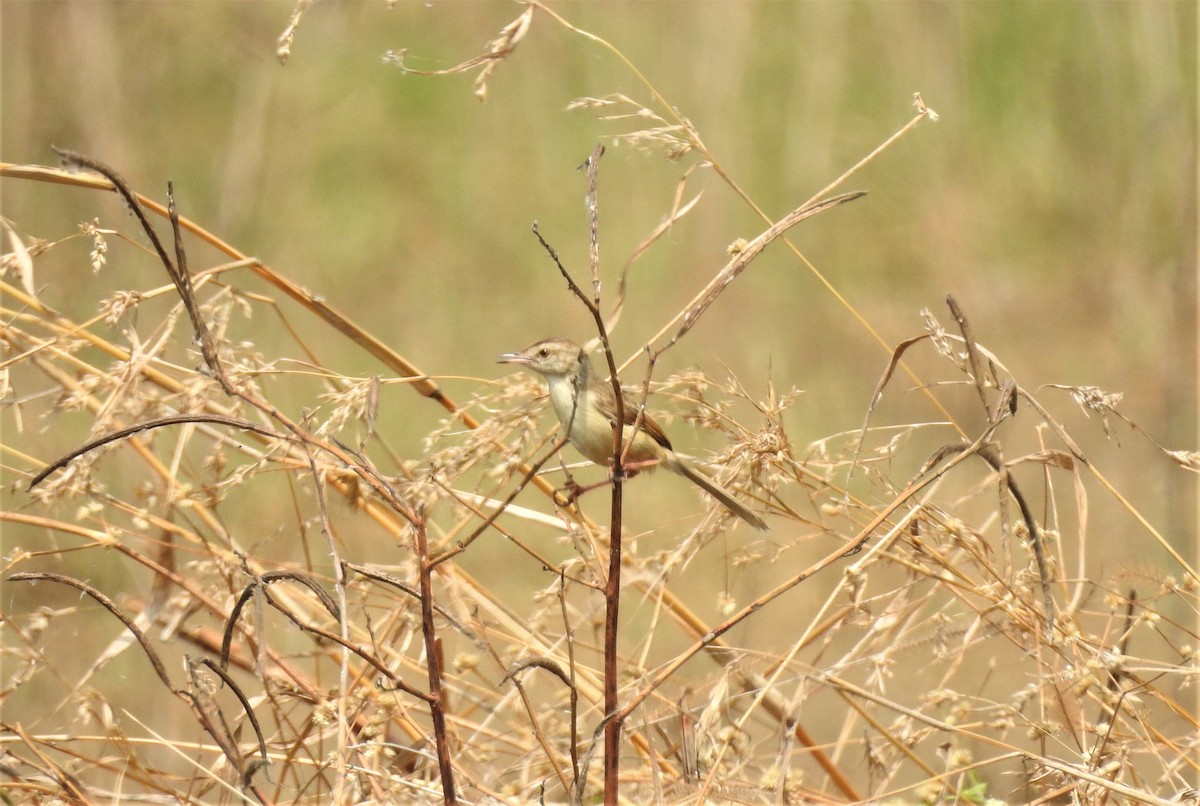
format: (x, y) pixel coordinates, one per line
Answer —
(586, 408)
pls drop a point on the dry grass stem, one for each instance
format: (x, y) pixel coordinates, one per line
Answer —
(239, 571)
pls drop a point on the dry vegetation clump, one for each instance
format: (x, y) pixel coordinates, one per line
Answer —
(224, 583)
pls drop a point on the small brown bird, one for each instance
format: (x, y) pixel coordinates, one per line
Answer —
(587, 409)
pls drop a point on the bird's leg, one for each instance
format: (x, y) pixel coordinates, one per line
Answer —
(632, 468)
(628, 470)
(574, 489)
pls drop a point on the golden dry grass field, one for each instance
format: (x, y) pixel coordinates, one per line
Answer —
(314, 458)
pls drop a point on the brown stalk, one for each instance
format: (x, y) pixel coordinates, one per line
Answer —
(612, 589)
(433, 662)
(177, 270)
(612, 586)
(149, 425)
(67, 783)
(690, 315)
(576, 786)
(403, 368)
(761, 601)
(1005, 406)
(692, 312)
(191, 695)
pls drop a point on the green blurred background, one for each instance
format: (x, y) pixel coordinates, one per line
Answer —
(1055, 196)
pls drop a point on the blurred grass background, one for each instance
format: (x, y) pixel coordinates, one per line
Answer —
(1055, 197)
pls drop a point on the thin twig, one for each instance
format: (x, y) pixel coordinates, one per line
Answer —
(124, 433)
(612, 589)
(850, 547)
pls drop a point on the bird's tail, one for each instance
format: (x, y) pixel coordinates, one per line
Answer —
(683, 468)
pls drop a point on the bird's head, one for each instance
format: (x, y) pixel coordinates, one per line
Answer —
(550, 357)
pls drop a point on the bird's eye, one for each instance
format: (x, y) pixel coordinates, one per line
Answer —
(543, 352)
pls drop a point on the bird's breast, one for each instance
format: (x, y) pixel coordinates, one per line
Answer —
(589, 430)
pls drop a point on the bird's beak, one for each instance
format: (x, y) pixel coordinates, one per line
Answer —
(513, 358)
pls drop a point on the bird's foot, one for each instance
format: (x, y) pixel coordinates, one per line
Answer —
(575, 490)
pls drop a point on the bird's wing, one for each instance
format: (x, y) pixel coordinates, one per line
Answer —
(648, 425)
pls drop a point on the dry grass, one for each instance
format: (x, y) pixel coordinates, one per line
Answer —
(239, 596)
